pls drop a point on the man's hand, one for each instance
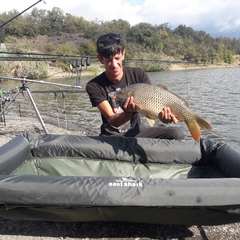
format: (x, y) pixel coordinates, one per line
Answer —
(128, 105)
(166, 116)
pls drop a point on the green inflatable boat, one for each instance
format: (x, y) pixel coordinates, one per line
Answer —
(94, 178)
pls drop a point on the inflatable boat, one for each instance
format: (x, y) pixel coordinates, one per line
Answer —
(94, 178)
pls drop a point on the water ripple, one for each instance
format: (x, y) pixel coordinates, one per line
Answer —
(214, 94)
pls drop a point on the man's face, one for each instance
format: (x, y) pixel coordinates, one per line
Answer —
(113, 65)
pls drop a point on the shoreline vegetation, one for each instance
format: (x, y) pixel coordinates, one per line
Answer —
(48, 70)
(56, 38)
(94, 70)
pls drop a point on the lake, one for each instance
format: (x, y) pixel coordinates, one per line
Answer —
(214, 94)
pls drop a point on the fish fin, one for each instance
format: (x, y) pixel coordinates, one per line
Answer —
(163, 86)
(138, 107)
(202, 123)
(179, 118)
(150, 121)
(194, 130)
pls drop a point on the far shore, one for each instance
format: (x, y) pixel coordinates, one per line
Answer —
(96, 69)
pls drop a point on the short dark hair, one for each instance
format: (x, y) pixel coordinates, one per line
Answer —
(109, 44)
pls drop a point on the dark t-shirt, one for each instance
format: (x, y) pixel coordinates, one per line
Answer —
(99, 87)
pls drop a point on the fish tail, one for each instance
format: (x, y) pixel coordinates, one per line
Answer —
(194, 126)
(194, 130)
(202, 123)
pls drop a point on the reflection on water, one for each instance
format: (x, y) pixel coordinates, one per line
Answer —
(214, 94)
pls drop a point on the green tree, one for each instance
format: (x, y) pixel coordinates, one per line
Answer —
(88, 49)
(185, 32)
(29, 28)
(143, 40)
(13, 27)
(55, 18)
(39, 19)
(73, 24)
(191, 54)
(146, 35)
(228, 57)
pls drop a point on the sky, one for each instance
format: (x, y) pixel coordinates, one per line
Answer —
(216, 17)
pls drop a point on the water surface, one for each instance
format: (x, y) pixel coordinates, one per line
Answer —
(214, 94)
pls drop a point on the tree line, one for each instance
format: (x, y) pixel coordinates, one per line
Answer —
(143, 40)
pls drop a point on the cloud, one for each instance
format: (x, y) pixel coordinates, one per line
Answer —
(107, 10)
(217, 17)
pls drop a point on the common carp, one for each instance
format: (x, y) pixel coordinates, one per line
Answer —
(151, 99)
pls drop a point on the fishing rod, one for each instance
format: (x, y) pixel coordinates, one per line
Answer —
(21, 13)
(45, 59)
(41, 54)
(40, 81)
(35, 59)
(76, 60)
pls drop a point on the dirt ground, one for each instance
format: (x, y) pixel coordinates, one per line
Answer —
(42, 230)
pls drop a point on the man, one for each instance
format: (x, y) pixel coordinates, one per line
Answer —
(123, 120)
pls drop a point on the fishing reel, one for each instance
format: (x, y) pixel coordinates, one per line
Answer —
(78, 65)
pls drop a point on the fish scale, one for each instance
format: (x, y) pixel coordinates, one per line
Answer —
(151, 99)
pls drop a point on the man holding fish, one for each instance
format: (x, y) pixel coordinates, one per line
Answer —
(120, 106)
